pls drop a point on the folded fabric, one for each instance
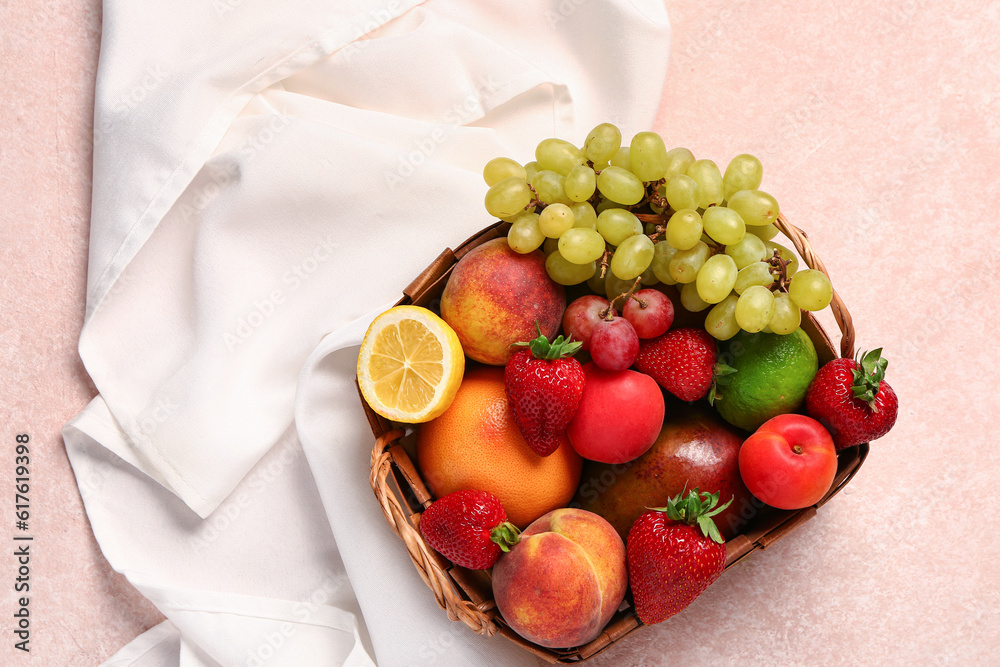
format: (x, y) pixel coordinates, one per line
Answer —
(266, 178)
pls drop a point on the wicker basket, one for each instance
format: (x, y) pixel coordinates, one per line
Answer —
(466, 595)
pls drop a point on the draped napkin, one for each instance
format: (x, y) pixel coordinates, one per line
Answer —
(267, 178)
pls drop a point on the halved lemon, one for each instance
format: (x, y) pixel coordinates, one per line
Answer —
(410, 365)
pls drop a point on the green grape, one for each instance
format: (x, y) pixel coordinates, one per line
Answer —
(567, 273)
(615, 286)
(558, 155)
(756, 207)
(678, 161)
(721, 322)
(550, 246)
(512, 218)
(810, 290)
(580, 246)
(602, 143)
(524, 235)
(681, 192)
(580, 183)
(744, 172)
(754, 308)
(716, 278)
(709, 179)
(584, 215)
(649, 228)
(685, 264)
(684, 229)
(530, 169)
(596, 282)
(785, 254)
(764, 232)
(508, 197)
(555, 220)
(632, 257)
(663, 252)
(648, 156)
(786, 317)
(724, 225)
(617, 224)
(749, 250)
(758, 273)
(690, 299)
(500, 168)
(621, 159)
(621, 185)
(549, 187)
(648, 276)
(606, 204)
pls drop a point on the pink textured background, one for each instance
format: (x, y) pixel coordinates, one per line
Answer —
(878, 126)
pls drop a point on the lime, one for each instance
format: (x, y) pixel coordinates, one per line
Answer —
(773, 372)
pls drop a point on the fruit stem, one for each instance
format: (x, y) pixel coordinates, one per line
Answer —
(797, 449)
(505, 535)
(605, 260)
(625, 295)
(779, 267)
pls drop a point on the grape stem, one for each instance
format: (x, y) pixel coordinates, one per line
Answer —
(659, 219)
(653, 196)
(608, 313)
(605, 260)
(535, 201)
(779, 267)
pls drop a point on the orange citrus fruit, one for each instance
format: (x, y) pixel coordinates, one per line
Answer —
(476, 444)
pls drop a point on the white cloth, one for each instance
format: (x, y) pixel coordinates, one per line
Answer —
(267, 177)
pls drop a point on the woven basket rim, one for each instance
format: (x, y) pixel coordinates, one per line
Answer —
(391, 467)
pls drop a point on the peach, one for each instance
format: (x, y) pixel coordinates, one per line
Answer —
(559, 586)
(493, 298)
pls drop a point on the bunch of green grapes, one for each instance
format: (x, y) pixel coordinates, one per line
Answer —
(611, 215)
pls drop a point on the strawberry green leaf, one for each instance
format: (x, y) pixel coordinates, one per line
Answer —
(505, 535)
(696, 509)
(541, 348)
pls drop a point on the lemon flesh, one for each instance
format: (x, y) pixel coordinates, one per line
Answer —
(410, 365)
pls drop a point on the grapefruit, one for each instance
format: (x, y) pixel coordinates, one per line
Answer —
(475, 444)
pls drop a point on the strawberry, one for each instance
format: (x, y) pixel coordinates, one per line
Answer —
(853, 400)
(469, 528)
(544, 385)
(682, 361)
(673, 554)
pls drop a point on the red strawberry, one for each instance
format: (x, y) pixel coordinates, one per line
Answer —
(544, 385)
(853, 400)
(469, 528)
(681, 361)
(673, 554)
